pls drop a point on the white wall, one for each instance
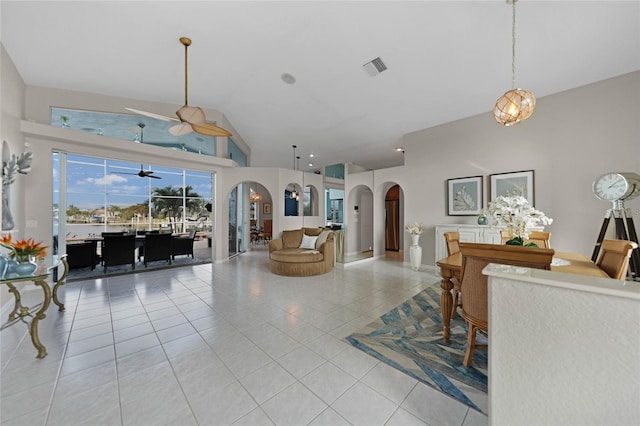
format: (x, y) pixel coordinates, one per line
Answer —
(563, 351)
(572, 138)
(12, 88)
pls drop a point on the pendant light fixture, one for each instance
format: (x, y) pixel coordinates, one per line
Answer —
(517, 104)
(254, 196)
(294, 157)
(139, 138)
(293, 194)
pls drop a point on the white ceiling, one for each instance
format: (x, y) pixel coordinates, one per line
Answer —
(446, 60)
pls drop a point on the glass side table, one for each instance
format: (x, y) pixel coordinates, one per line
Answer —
(21, 313)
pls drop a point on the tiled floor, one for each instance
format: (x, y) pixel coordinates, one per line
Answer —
(219, 344)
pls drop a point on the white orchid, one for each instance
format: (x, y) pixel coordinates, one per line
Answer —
(516, 214)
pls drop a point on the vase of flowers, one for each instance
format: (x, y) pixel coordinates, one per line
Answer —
(415, 251)
(517, 216)
(25, 253)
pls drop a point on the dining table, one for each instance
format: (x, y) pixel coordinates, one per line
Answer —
(451, 266)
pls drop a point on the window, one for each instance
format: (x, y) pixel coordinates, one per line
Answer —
(127, 127)
(107, 195)
(236, 154)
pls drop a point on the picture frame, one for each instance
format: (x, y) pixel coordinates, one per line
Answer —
(512, 184)
(464, 196)
(266, 208)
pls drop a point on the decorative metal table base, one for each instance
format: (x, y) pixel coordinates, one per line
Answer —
(20, 313)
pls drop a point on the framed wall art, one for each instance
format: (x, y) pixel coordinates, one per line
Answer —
(266, 208)
(512, 184)
(464, 196)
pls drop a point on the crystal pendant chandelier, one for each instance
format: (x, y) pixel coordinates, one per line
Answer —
(254, 196)
(517, 104)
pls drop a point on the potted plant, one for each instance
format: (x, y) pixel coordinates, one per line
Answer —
(518, 216)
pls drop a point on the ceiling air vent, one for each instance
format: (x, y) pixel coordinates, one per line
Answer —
(374, 67)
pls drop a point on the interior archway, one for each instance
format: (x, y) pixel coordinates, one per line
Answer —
(359, 232)
(292, 199)
(311, 200)
(250, 216)
(393, 221)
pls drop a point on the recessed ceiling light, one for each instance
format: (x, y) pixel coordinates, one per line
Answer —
(310, 164)
(312, 155)
(288, 78)
(400, 149)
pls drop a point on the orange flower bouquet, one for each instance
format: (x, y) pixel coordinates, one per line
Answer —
(21, 250)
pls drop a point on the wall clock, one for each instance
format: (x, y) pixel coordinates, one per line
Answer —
(617, 186)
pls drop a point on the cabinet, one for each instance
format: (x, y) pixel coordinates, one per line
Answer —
(469, 234)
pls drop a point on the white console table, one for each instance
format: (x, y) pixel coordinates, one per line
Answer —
(468, 234)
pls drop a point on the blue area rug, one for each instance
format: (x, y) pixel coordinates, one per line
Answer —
(409, 338)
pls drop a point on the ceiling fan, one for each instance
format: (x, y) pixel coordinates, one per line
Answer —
(190, 119)
(141, 173)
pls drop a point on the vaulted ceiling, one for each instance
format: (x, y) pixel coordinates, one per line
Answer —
(446, 60)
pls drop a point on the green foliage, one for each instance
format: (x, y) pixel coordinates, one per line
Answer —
(518, 241)
(168, 201)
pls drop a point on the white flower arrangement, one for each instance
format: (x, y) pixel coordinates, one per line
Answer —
(516, 214)
(414, 228)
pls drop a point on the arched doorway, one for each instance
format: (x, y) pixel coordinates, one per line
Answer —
(359, 232)
(250, 216)
(393, 225)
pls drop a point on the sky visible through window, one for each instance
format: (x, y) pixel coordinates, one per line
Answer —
(100, 191)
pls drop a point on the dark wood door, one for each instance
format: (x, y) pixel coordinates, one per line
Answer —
(392, 237)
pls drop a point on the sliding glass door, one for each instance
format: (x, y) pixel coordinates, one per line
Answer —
(95, 195)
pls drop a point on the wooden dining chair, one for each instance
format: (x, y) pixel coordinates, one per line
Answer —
(614, 257)
(473, 283)
(452, 240)
(540, 238)
(267, 230)
(504, 236)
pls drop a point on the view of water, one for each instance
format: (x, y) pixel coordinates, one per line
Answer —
(81, 230)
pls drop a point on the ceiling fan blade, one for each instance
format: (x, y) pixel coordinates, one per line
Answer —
(192, 115)
(147, 173)
(152, 115)
(210, 129)
(180, 129)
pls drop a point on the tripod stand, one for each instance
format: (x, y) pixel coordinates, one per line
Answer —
(622, 217)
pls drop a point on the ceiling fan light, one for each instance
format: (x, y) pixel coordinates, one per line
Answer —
(193, 116)
(514, 106)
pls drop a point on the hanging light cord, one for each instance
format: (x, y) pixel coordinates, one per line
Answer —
(513, 45)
